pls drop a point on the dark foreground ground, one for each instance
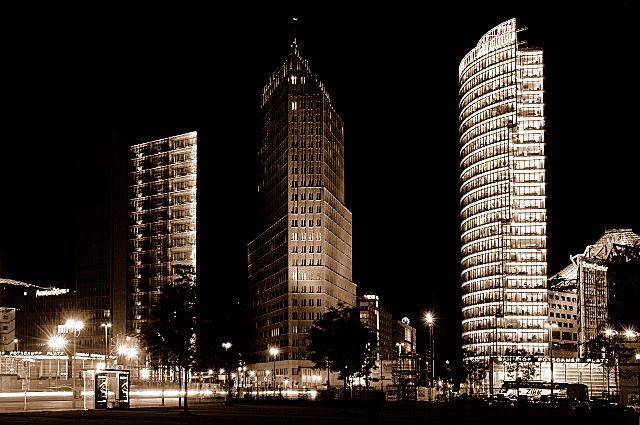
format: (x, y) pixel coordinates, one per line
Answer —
(312, 414)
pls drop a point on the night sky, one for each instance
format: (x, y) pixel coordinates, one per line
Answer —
(392, 77)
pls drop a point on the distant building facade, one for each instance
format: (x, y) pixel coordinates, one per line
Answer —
(30, 314)
(162, 219)
(503, 211)
(300, 263)
(101, 240)
(608, 276)
(563, 313)
(379, 320)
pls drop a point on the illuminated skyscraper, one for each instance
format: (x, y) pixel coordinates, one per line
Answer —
(162, 219)
(300, 262)
(503, 213)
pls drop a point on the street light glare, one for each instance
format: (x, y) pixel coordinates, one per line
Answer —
(274, 351)
(57, 342)
(429, 318)
(75, 324)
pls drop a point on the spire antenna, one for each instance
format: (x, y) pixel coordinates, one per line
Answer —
(295, 30)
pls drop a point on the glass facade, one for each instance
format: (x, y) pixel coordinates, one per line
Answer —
(503, 213)
(162, 219)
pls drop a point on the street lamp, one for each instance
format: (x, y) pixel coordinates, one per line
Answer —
(550, 327)
(274, 352)
(57, 342)
(610, 333)
(429, 319)
(226, 346)
(76, 326)
(638, 374)
(15, 341)
(106, 327)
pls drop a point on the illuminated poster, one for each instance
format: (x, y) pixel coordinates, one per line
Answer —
(123, 390)
(101, 391)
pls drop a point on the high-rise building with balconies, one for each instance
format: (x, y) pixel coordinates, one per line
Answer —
(162, 219)
(503, 213)
(300, 262)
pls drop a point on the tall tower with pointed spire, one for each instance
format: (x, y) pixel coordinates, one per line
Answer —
(300, 262)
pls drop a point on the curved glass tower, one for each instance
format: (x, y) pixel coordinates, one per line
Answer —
(502, 196)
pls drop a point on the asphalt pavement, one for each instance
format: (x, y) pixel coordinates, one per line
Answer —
(317, 413)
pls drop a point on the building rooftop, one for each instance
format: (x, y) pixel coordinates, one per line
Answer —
(602, 248)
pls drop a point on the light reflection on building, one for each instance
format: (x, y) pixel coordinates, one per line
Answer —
(162, 219)
(300, 262)
(503, 228)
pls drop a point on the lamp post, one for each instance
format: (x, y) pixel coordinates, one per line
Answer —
(56, 342)
(15, 341)
(638, 374)
(429, 319)
(274, 352)
(226, 346)
(106, 327)
(550, 326)
(76, 326)
(610, 333)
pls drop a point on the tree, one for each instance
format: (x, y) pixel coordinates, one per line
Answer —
(476, 370)
(169, 334)
(342, 342)
(608, 348)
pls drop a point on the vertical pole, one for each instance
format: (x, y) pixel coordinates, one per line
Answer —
(106, 347)
(433, 355)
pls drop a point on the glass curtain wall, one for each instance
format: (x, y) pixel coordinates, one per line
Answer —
(503, 213)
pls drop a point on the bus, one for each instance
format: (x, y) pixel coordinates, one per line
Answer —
(540, 391)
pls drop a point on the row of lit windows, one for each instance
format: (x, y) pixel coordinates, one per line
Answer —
(523, 309)
(528, 202)
(504, 83)
(306, 249)
(482, 323)
(485, 192)
(489, 99)
(525, 176)
(482, 219)
(488, 238)
(497, 147)
(477, 256)
(469, 145)
(304, 196)
(497, 123)
(306, 236)
(493, 178)
(302, 209)
(303, 302)
(482, 245)
(304, 223)
(499, 55)
(488, 336)
(528, 163)
(535, 190)
(165, 145)
(497, 66)
(493, 203)
(522, 269)
(488, 113)
(306, 315)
